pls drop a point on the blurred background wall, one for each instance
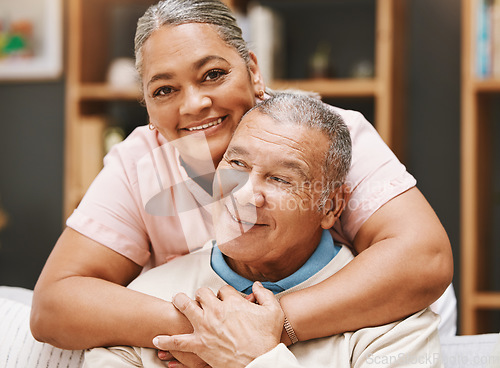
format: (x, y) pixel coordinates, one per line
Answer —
(32, 130)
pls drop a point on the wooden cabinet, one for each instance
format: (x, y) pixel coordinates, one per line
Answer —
(386, 88)
(479, 300)
(90, 50)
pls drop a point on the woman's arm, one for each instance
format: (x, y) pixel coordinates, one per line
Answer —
(80, 301)
(404, 264)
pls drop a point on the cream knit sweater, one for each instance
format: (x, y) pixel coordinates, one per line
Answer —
(412, 341)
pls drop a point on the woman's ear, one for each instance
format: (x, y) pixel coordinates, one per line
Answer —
(334, 206)
(256, 75)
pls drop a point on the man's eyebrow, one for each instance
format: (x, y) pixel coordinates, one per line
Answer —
(296, 166)
(236, 150)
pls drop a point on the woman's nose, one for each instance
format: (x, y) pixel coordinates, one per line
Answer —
(194, 101)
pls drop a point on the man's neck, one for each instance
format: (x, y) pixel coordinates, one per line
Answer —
(323, 255)
(275, 271)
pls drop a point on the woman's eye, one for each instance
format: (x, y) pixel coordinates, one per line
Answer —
(162, 91)
(214, 74)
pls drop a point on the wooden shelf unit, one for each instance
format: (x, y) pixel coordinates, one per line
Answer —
(387, 86)
(88, 59)
(477, 300)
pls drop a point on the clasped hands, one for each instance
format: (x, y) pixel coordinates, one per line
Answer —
(229, 330)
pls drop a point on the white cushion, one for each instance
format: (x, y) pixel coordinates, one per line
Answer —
(471, 351)
(16, 293)
(18, 348)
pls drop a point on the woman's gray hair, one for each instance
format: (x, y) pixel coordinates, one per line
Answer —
(176, 12)
(300, 109)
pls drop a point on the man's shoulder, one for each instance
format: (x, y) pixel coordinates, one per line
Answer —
(180, 274)
(344, 255)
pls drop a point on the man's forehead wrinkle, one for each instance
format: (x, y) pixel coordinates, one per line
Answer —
(257, 132)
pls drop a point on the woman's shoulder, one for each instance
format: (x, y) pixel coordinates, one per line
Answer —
(355, 121)
(143, 148)
(138, 143)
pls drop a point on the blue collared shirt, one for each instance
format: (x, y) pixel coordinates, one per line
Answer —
(323, 254)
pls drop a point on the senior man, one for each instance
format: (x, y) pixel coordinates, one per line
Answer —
(280, 187)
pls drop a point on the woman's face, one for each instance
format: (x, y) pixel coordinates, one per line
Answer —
(195, 83)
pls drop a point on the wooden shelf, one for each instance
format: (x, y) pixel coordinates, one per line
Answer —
(477, 302)
(487, 300)
(102, 91)
(486, 85)
(332, 87)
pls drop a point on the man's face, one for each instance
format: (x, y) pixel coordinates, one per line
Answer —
(270, 180)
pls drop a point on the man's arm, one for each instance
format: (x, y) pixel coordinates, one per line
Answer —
(404, 264)
(230, 331)
(80, 301)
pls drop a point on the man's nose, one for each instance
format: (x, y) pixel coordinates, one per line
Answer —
(249, 194)
(194, 101)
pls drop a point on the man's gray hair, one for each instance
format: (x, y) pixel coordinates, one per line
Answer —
(176, 12)
(301, 109)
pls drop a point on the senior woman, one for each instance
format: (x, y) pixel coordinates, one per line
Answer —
(198, 79)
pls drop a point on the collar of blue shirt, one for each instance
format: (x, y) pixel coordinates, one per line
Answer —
(323, 254)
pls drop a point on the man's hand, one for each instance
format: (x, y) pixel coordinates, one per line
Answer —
(229, 331)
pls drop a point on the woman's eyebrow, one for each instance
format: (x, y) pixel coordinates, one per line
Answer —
(160, 76)
(200, 63)
(197, 65)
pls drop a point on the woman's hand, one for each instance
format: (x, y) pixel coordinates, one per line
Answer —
(229, 330)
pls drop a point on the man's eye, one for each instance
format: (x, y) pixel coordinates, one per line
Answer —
(214, 74)
(279, 180)
(162, 91)
(237, 163)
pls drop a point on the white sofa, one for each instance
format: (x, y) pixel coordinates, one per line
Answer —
(471, 351)
(18, 348)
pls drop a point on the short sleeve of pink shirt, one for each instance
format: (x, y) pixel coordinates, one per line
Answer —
(113, 212)
(375, 177)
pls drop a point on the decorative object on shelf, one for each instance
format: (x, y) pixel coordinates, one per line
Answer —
(112, 136)
(319, 64)
(4, 219)
(122, 74)
(30, 39)
(363, 69)
(16, 40)
(266, 40)
(487, 40)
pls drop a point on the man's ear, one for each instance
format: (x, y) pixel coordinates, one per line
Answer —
(256, 75)
(334, 206)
